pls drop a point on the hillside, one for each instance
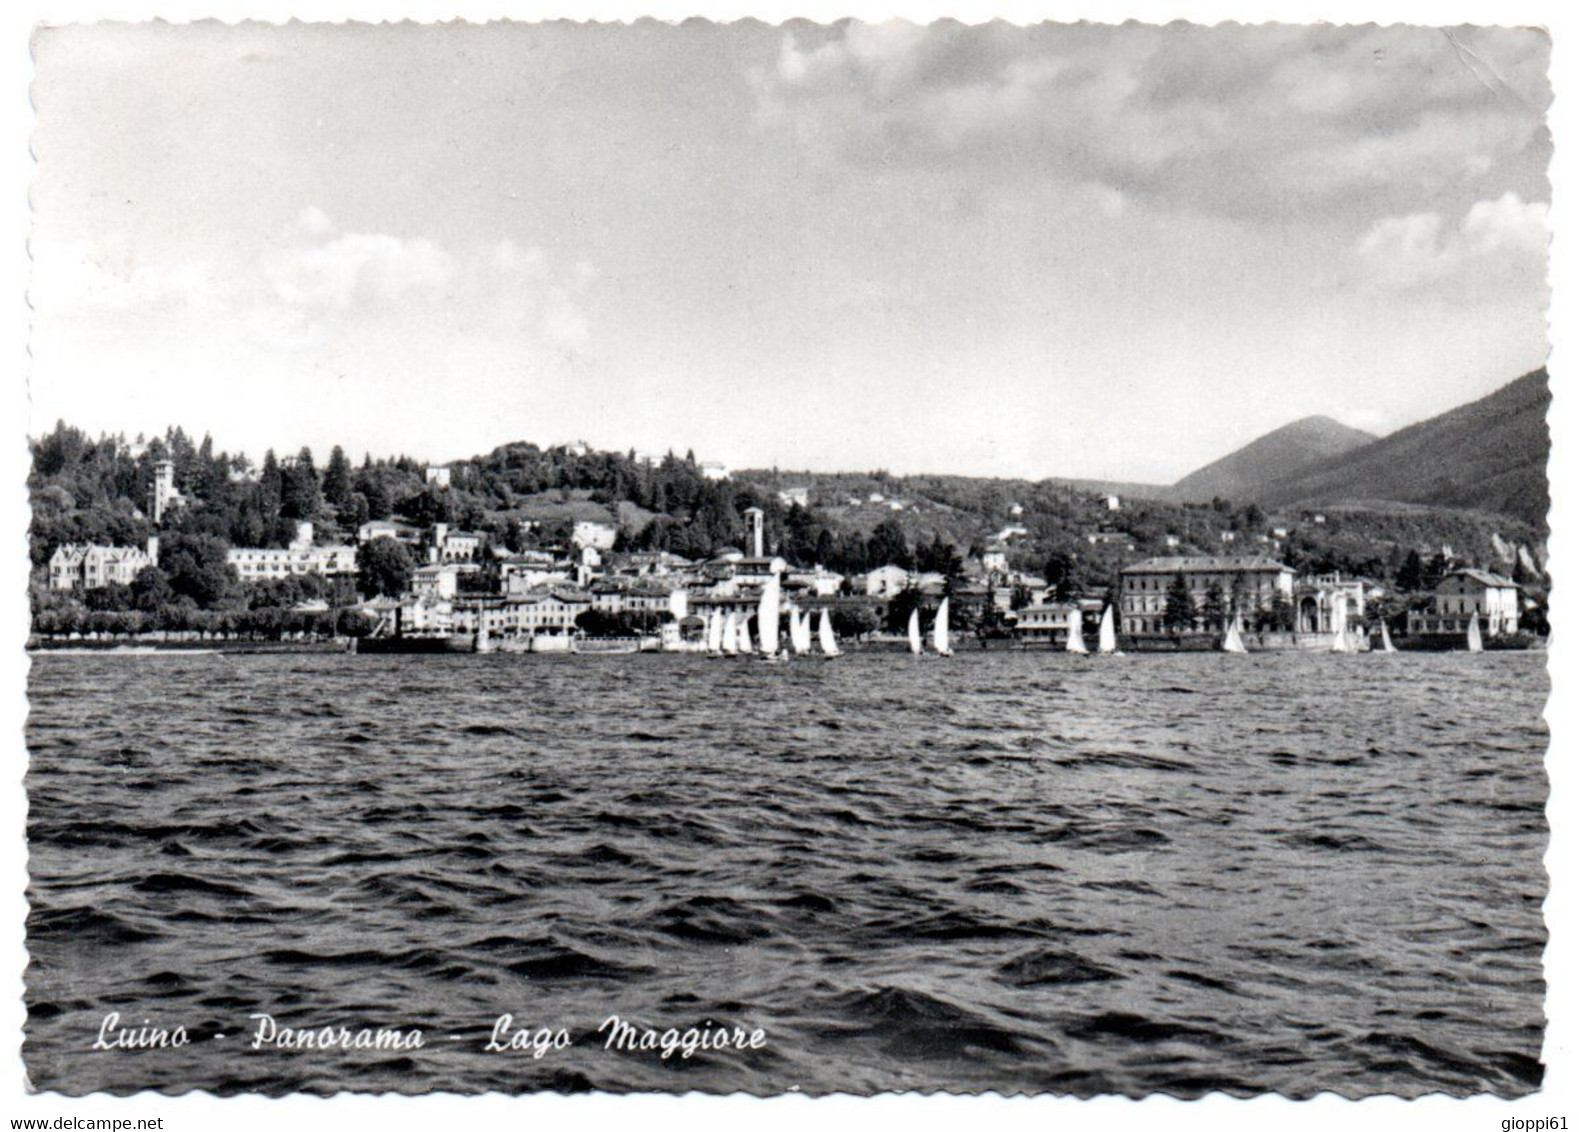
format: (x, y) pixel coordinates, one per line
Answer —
(1489, 455)
(1279, 454)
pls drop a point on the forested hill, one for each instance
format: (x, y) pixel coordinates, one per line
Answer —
(1488, 455)
(86, 489)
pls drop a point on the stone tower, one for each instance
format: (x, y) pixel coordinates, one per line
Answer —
(754, 517)
(164, 488)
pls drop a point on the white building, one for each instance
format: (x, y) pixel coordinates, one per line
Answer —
(91, 567)
(886, 581)
(1254, 584)
(435, 581)
(455, 546)
(389, 528)
(1468, 593)
(256, 564)
(437, 474)
(599, 536)
(795, 497)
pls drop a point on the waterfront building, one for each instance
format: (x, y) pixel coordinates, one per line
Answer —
(1251, 585)
(255, 564)
(1466, 593)
(92, 567)
(1325, 602)
(1044, 623)
(551, 612)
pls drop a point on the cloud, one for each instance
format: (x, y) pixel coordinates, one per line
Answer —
(357, 267)
(318, 282)
(1497, 242)
(1257, 121)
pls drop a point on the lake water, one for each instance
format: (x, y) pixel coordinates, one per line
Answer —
(1012, 871)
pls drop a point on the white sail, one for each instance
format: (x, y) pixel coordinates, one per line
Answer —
(768, 618)
(1075, 637)
(1387, 639)
(825, 638)
(915, 631)
(743, 635)
(940, 630)
(1340, 638)
(715, 633)
(1107, 637)
(1232, 641)
(1472, 638)
(729, 636)
(800, 632)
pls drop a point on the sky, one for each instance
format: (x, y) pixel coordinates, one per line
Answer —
(1057, 250)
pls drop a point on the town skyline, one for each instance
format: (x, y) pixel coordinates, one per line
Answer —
(1066, 251)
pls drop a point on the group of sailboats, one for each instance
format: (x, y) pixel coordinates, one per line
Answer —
(729, 634)
(940, 632)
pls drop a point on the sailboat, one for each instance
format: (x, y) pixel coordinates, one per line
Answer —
(1232, 641)
(940, 630)
(743, 636)
(800, 632)
(1075, 636)
(1107, 637)
(825, 638)
(1472, 638)
(915, 631)
(729, 636)
(715, 634)
(1387, 639)
(768, 620)
(1340, 638)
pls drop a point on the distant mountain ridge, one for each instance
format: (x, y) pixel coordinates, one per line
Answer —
(1281, 453)
(1488, 455)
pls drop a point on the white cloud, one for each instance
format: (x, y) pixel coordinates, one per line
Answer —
(321, 284)
(1257, 121)
(1497, 241)
(357, 267)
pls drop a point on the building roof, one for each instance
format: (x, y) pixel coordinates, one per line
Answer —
(1484, 577)
(1196, 564)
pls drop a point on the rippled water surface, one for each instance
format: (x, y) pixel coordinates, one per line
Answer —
(1007, 871)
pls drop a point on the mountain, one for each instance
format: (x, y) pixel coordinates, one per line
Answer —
(1241, 475)
(1489, 455)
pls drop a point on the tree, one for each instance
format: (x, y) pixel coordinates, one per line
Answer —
(337, 480)
(1214, 610)
(198, 568)
(151, 589)
(888, 545)
(300, 498)
(1179, 609)
(383, 567)
(1411, 575)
